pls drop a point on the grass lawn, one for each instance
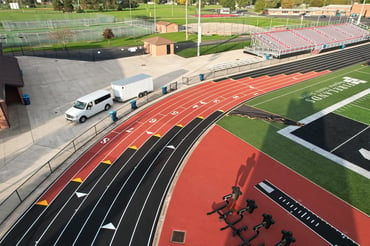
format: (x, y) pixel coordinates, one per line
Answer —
(349, 186)
(212, 49)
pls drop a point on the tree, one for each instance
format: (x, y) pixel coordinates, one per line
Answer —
(287, 4)
(126, 4)
(108, 34)
(84, 4)
(68, 6)
(57, 5)
(228, 4)
(110, 4)
(31, 3)
(259, 5)
(62, 35)
(241, 3)
(316, 3)
(272, 3)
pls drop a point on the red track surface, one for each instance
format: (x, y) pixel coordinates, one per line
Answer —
(221, 161)
(179, 108)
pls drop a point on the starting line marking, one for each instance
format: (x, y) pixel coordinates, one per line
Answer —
(322, 228)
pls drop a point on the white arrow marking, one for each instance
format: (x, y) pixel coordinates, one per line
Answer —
(216, 101)
(130, 130)
(195, 106)
(201, 102)
(235, 97)
(251, 87)
(80, 194)
(109, 226)
(148, 132)
(365, 153)
(170, 146)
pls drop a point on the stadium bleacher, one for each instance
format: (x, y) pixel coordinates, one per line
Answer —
(314, 39)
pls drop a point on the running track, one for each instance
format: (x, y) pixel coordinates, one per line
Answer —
(220, 161)
(90, 203)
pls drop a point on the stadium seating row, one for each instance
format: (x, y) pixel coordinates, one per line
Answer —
(312, 38)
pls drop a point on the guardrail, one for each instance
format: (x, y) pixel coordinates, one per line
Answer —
(22, 192)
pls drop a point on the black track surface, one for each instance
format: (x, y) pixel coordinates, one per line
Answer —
(331, 61)
(304, 215)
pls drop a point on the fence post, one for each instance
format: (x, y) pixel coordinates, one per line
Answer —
(74, 146)
(51, 171)
(16, 192)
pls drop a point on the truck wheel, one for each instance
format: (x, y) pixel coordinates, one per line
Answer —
(83, 119)
(145, 93)
(107, 107)
(140, 94)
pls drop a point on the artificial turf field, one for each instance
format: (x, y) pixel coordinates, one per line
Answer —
(297, 102)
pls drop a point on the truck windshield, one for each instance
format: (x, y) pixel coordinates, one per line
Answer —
(79, 105)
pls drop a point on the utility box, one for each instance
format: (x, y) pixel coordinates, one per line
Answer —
(136, 86)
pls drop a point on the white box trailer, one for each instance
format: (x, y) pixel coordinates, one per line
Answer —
(136, 86)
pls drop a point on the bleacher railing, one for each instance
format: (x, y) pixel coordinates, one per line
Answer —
(216, 72)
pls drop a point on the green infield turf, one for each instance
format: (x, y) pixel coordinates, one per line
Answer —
(358, 110)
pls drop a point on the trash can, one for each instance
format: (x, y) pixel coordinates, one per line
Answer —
(113, 115)
(26, 99)
(164, 89)
(201, 77)
(133, 104)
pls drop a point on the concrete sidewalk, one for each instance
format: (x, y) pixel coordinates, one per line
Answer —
(39, 131)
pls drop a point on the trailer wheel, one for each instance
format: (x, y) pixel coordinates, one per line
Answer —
(141, 95)
(145, 93)
(107, 107)
(83, 119)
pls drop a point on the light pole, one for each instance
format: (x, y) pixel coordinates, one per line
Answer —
(130, 11)
(199, 31)
(21, 37)
(186, 20)
(155, 17)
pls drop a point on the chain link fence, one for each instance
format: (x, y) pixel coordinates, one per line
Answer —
(55, 24)
(47, 36)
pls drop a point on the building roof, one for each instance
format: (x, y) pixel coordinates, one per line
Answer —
(158, 41)
(10, 74)
(165, 23)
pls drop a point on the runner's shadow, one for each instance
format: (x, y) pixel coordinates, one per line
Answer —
(244, 170)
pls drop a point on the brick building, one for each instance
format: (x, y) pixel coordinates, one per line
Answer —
(11, 82)
(158, 46)
(165, 26)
